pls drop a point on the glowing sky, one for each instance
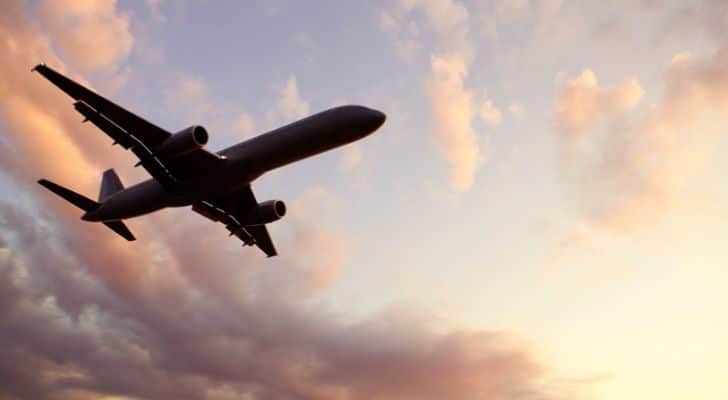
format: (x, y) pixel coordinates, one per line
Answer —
(543, 215)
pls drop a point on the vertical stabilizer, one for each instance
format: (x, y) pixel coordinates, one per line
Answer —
(110, 184)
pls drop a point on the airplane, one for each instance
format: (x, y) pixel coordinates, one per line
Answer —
(184, 173)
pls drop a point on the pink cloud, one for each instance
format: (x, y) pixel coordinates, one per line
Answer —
(630, 166)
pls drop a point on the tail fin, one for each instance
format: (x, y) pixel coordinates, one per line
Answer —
(110, 184)
(87, 204)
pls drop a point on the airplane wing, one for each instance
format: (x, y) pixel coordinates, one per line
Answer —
(129, 130)
(229, 211)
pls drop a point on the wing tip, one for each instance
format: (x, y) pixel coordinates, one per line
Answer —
(121, 229)
(271, 251)
(38, 66)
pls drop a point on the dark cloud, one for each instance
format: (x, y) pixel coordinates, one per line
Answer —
(187, 341)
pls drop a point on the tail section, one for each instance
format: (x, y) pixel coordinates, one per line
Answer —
(110, 184)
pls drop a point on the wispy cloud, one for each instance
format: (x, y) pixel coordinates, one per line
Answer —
(245, 125)
(516, 109)
(190, 96)
(453, 106)
(490, 113)
(290, 104)
(351, 157)
(454, 111)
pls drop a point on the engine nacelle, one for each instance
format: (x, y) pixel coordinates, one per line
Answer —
(265, 213)
(183, 142)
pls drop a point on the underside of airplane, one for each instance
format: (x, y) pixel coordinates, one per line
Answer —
(184, 173)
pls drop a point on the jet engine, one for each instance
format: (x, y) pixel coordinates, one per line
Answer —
(183, 142)
(265, 213)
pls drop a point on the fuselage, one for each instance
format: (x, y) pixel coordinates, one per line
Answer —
(244, 162)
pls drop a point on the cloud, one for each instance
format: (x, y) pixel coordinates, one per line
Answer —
(405, 41)
(184, 309)
(581, 103)
(245, 125)
(490, 114)
(28, 103)
(516, 109)
(351, 157)
(631, 167)
(191, 96)
(91, 35)
(197, 345)
(290, 104)
(454, 111)
(448, 20)
(187, 341)
(209, 324)
(452, 54)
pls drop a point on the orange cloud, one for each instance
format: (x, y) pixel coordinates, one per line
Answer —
(581, 103)
(45, 139)
(91, 34)
(453, 112)
(453, 106)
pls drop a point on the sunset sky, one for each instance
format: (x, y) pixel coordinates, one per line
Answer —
(544, 215)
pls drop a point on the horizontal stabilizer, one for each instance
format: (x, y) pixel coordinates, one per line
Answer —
(74, 198)
(121, 229)
(87, 205)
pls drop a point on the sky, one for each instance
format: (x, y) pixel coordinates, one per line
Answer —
(542, 216)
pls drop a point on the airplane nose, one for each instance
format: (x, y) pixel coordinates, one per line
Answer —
(358, 121)
(376, 119)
